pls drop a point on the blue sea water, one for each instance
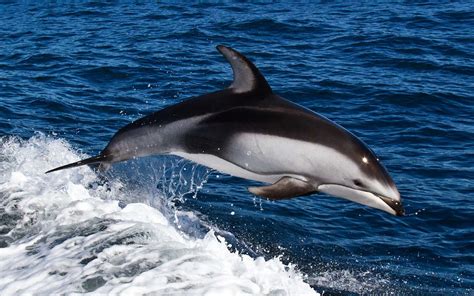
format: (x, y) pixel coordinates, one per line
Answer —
(398, 75)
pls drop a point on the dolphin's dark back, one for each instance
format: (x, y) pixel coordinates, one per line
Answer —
(206, 104)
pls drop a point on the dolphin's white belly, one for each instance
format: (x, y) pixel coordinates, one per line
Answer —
(224, 166)
(268, 158)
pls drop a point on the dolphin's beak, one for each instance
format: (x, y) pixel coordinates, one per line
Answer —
(390, 205)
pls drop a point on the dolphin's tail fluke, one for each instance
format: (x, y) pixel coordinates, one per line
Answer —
(100, 159)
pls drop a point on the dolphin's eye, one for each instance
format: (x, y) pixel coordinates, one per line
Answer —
(358, 183)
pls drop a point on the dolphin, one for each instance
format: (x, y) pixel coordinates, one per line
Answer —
(248, 131)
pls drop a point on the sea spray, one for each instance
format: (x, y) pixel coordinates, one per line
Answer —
(74, 232)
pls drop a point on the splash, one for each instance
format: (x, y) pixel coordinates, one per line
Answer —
(73, 232)
(360, 282)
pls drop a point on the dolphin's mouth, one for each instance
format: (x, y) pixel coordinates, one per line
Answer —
(393, 204)
(367, 198)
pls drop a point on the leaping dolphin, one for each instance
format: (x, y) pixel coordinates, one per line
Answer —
(248, 131)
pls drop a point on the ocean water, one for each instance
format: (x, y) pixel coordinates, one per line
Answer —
(399, 76)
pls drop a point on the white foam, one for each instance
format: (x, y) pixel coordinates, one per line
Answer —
(68, 233)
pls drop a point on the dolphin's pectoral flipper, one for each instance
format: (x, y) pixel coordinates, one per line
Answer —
(285, 188)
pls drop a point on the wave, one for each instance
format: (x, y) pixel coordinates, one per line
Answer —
(76, 232)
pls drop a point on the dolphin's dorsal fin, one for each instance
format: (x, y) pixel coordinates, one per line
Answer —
(247, 77)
